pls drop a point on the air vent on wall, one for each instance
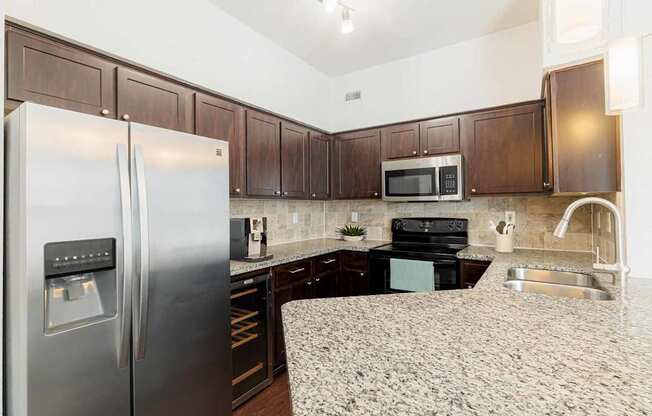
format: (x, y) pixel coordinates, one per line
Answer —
(353, 96)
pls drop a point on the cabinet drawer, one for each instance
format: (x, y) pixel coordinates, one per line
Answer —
(292, 272)
(352, 260)
(327, 263)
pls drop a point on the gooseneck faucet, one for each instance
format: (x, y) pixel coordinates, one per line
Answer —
(619, 267)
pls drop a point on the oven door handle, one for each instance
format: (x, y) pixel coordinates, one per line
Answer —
(444, 262)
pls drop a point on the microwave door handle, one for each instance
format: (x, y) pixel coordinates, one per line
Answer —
(437, 187)
(127, 260)
(143, 221)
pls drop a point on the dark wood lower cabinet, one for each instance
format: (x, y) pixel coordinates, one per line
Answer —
(471, 271)
(337, 274)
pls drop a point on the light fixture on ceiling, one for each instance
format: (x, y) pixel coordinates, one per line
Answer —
(623, 75)
(329, 5)
(347, 22)
(577, 20)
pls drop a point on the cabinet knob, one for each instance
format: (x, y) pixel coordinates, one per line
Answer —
(125, 117)
(546, 184)
(473, 190)
(236, 190)
(414, 152)
(309, 282)
(285, 193)
(425, 152)
(105, 112)
(317, 279)
(375, 193)
(277, 192)
(361, 274)
(314, 195)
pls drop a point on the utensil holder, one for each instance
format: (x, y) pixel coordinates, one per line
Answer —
(505, 243)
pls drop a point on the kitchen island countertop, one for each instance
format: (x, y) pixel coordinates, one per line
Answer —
(483, 351)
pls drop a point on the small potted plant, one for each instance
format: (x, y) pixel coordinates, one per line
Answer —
(352, 232)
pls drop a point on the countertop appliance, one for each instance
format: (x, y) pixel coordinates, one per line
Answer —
(251, 336)
(437, 178)
(249, 239)
(421, 257)
(117, 268)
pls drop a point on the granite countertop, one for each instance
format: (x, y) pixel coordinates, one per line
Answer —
(484, 351)
(286, 253)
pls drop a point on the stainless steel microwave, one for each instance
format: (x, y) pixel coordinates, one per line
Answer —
(437, 178)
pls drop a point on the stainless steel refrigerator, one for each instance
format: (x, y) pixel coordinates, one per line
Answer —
(117, 274)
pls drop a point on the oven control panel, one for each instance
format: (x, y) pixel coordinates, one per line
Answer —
(429, 225)
(64, 258)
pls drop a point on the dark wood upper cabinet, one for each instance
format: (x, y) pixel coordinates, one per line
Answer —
(45, 72)
(263, 154)
(151, 100)
(294, 161)
(356, 165)
(504, 150)
(320, 169)
(223, 120)
(440, 136)
(400, 141)
(585, 141)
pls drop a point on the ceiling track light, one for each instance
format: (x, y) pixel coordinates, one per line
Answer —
(330, 5)
(347, 22)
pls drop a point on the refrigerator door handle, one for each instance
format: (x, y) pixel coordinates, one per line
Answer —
(127, 263)
(143, 220)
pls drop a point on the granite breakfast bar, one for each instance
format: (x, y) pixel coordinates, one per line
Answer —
(483, 351)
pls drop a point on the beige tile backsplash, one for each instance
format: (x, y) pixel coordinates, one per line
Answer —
(279, 218)
(536, 218)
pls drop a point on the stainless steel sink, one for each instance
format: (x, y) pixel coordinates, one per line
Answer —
(553, 283)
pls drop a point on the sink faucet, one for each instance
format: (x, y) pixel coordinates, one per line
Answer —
(619, 267)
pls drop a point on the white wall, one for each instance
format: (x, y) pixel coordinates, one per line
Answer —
(497, 69)
(637, 149)
(637, 153)
(193, 40)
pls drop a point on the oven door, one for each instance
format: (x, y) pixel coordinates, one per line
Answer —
(405, 273)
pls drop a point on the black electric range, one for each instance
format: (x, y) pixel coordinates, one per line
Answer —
(420, 247)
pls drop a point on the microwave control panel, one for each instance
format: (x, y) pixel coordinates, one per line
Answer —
(448, 180)
(63, 258)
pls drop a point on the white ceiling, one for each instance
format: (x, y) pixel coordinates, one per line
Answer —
(385, 30)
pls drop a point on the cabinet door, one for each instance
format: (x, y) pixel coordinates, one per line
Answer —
(45, 72)
(440, 136)
(585, 141)
(263, 155)
(471, 271)
(223, 120)
(281, 296)
(320, 161)
(504, 150)
(154, 101)
(400, 141)
(361, 283)
(325, 286)
(356, 160)
(294, 161)
(346, 283)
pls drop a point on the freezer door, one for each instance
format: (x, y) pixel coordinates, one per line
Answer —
(67, 336)
(181, 295)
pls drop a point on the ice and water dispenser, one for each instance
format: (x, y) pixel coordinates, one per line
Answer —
(80, 283)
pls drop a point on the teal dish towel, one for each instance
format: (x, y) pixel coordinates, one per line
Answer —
(411, 275)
